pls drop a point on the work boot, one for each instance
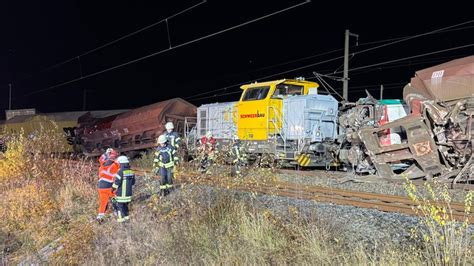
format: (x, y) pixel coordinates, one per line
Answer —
(100, 218)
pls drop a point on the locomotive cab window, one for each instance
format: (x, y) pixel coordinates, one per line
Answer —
(283, 90)
(258, 93)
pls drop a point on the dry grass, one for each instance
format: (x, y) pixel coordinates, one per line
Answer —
(42, 195)
(195, 227)
(47, 199)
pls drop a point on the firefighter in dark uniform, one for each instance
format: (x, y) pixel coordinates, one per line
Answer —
(124, 181)
(163, 164)
(174, 141)
(238, 156)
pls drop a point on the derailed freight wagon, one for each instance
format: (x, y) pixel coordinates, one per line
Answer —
(30, 123)
(135, 130)
(437, 135)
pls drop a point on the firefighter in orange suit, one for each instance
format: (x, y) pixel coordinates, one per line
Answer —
(106, 179)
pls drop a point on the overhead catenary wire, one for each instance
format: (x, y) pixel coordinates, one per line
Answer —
(360, 45)
(411, 57)
(169, 49)
(415, 36)
(328, 74)
(309, 77)
(268, 76)
(322, 62)
(122, 37)
(373, 88)
(396, 40)
(216, 95)
(403, 37)
(405, 64)
(327, 85)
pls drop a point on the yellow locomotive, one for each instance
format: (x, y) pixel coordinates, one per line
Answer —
(284, 118)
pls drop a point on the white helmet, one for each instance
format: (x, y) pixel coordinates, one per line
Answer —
(162, 139)
(122, 159)
(169, 126)
(109, 150)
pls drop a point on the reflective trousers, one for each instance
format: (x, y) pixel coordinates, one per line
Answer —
(105, 194)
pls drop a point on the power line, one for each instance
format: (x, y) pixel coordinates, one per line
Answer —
(298, 60)
(373, 85)
(414, 36)
(119, 39)
(389, 86)
(169, 49)
(322, 62)
(409, 63)
(144, 28)
(216, 95)
(268, 76)
(360, 44)
(312, 77)
(399, 38)
(396, 40)
(394, 87)
(327, 85)
(410, 57)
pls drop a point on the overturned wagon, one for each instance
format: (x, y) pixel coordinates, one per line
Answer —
(134, 130)
(436, 138)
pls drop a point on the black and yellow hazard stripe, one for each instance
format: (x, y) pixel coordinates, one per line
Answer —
(303, 160)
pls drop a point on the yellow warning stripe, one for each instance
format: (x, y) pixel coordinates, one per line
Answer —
(303, 160)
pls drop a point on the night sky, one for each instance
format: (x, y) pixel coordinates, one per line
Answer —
(36, 35)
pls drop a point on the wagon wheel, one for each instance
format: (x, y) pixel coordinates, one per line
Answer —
(267, 160)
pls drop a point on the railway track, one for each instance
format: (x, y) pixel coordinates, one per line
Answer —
(341, 175)
(381, 202)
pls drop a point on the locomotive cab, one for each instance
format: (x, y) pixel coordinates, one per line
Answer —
(260, 107)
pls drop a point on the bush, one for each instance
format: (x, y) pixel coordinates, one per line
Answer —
(445, 240)
(42, 193)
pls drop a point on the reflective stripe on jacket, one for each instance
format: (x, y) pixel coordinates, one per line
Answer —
(107, 173)
(164, 157)
(173, 139)
(124, 181)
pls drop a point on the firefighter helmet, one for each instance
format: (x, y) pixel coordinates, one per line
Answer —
(169, 126)
(122, 159)
(162, 139)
